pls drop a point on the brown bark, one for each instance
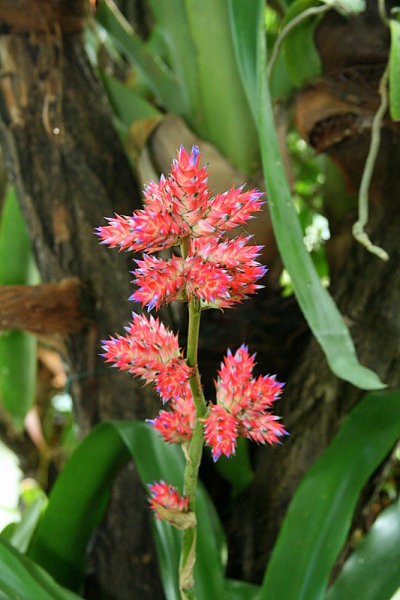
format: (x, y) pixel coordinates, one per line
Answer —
(62, 154)
(43, 309)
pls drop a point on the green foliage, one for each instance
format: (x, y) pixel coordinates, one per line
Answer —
(373, 570)
(311, 538)
(22, 579)
(17, 349)
(79, 498)
(20, 534)
(317, 305)
(394, 69)
(319, 516)
(193, 72)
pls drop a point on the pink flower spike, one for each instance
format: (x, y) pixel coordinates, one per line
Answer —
(150, 351)
(176, 425)
(158, 281)
(228, 210)
(263, 428)
(220, 431)
(168, 497)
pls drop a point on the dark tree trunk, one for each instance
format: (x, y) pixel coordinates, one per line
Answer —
(66, 162)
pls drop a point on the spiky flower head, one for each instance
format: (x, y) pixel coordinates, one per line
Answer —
(150, 351)
(178, 207)
(243, 404)
(176, 424)
(165, 496)
(219, 273)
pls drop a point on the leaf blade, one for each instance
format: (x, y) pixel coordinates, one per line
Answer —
(319, 516)
(377, 554)
(315, 302)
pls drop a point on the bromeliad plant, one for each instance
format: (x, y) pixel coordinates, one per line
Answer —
(206, 270)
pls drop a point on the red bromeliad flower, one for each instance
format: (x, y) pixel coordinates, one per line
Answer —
(217, 272)
(242, 406)
(150, 351)
(168, 497)
(178, 207)
(176, 424)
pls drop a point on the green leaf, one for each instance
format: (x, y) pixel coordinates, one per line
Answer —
(394, 70)
(226, 119)
(20, 534)
(161, 81)
(240, 590)
(78, 502)
(319, 516)
(128, 105)
(22, 579)
(17, 349)
(164, 461)
(373, 569)
(317, 305)
(173, 28)
(302, 59)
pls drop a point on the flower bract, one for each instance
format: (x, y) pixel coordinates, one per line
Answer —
(243, 406)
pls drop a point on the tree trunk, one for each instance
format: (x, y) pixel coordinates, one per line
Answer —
(63, 156)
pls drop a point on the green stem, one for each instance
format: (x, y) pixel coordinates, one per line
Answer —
(194, 452)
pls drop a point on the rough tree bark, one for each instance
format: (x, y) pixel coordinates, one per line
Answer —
(66, 162)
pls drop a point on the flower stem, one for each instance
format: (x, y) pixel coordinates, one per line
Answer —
(193, 455)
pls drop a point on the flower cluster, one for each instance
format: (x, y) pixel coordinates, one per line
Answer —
(151, 351)
(179, 209)
(243, 406)
(167, 497)
(213, 272)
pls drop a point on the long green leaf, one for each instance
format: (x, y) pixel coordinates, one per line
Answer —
(22, 579)
(128, 106)
(394, 69)
(373, 569)
(78, 501)
(317, 305)
(76, 505)
(240, 590)
(17, 349)
(20, 534)
(173, 27)
(319, 516)
(163, 461)
(226, 118)
(161, 81)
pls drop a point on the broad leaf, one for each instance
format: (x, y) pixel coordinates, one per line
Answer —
(159, 78)
(20, 534)
(22, 579)
(163, 461)
(319, 516)
(317, 305)
(240, 590)
(373, 569)
(77, 504)
(17, 349)
(79, 497)
(128, 106)
(225, 117)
